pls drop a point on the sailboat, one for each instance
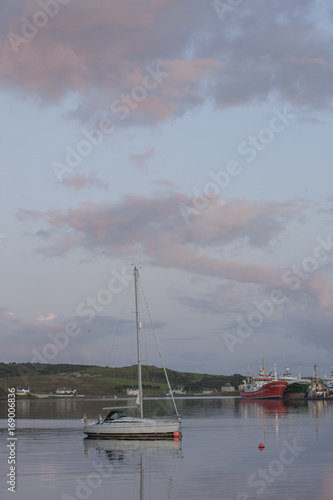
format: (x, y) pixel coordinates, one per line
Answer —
(117, 425)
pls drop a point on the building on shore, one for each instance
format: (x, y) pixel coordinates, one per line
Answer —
(63, 391)
(179, 391)
(208, 391)
(132, 392)
(228, 388)
(22, 391)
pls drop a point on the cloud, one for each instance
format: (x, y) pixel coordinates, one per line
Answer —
(80, 181)
(154, 229)
(322, 289)
(224, 299)
(312, 327)
(102, 54)
(166, 183)
(88, 346)
(141, 159)
(46, 318)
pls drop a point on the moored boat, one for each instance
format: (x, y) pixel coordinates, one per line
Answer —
(263, 387)
(296, 390)
(329, 381)
(116, 425)
(317, 389)
(266, 390)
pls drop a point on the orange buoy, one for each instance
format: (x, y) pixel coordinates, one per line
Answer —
(261, 447)
(176, 434)
(176, 439)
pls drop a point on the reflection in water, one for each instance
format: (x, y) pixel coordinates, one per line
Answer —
(24, 405)
(48, 408)
(128, 446)
(138, 457)
(320, 407)
(220, 447)
(272, 408)
(274, 411)
(327, 487)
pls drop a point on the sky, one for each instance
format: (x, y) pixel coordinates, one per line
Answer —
(189, 138)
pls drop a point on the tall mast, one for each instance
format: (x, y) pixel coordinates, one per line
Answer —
(138, 326)
(287, 368)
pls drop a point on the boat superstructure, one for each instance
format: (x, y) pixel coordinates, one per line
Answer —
(317, 389)
(328, 381)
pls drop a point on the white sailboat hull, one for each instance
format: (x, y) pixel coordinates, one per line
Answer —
(133, 428)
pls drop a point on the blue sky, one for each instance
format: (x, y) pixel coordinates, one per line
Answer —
(192, 139)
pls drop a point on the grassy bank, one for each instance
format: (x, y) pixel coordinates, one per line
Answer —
(105, 381)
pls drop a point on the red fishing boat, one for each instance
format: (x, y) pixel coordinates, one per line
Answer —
(263, 386)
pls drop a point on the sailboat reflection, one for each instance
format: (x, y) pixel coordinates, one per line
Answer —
(115, 447)
(128, 457)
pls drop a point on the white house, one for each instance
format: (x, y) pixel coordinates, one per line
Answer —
(132, 392)
(177, 390)
(22, 391)
(63, 390)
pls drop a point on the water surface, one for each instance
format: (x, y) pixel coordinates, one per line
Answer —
(218, 457)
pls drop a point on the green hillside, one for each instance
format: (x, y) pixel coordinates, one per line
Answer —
(93, 380)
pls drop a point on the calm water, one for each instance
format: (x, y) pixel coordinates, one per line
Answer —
(218, 457)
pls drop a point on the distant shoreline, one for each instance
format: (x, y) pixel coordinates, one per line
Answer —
(44, 380)
(110, 398)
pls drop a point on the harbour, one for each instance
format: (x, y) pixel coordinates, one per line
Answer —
(218, 456)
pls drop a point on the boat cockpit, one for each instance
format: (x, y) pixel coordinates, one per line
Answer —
(113, 415)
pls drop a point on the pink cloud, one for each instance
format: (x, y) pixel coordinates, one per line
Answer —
(80, 181)
(166, 183)
(311, 61)
(97, 50)
(141, 159)
(101, 53)
(187, 70)
(155, 228)
(13, 321)
(49, 317)
(322, 288)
